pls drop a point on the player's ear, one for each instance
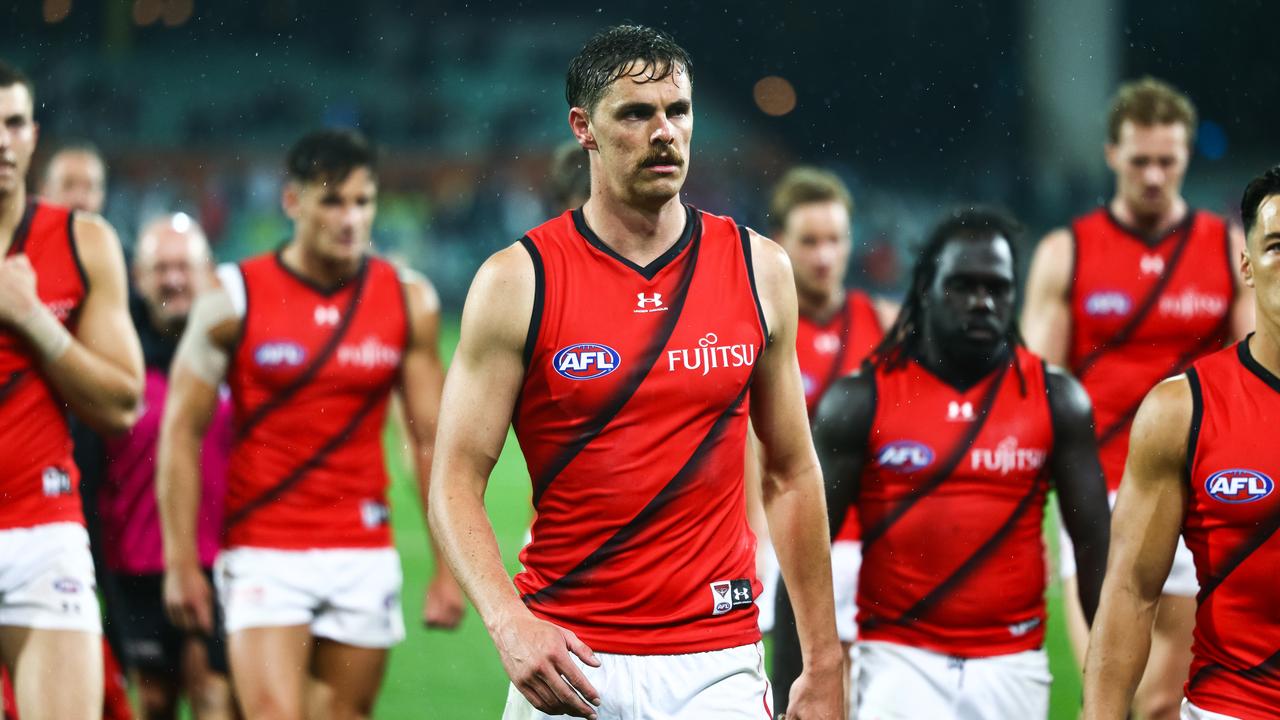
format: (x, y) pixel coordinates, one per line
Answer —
(580, 124)
(1246, 267)
(1109, 152)
(290, 199)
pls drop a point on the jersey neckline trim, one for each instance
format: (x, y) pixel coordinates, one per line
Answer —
(1151, 242)
(692, 224)
(1252, 365)
(1007, 359)
(18, 242)
(315, 286)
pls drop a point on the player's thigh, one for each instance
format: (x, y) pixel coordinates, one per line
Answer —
(348, 678)
(1005, 686)
(896, 682)
(208, 692)
(728, 684)
(57, 674)
(269, 670)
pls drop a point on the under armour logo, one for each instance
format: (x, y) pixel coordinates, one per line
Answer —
(960, 411)
(326, 315)
(741, 594)
(649, 303)
(1151, 264)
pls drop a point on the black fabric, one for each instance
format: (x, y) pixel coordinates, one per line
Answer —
(745, 236)
(948, 465)
(1267, 669)
(158, 348)
(18, 243)
(843, 352)
(152, 644)
(539, 298)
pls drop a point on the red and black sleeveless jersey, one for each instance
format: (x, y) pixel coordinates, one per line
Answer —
(309, 383)
(951, 503)
(1233, 513)
(39, 482)
(632, 419)
(1141, 312)
(832, 350)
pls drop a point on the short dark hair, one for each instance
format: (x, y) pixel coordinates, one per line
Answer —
(1255, 193)
(1147, 102)
(804, 185)
(977, 222)
(622, 51)
(330, 155)
(11, 75)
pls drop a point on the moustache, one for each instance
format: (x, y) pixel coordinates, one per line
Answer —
(663, 158)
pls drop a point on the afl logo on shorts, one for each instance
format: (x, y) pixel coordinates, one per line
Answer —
(905, 456)
(586, 361)
(1238, 486)
(275, 354)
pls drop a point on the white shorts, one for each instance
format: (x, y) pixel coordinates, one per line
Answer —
(1191, 712)
(846, 563)
(351, 596)
(723, 684)
(1182, 574)
(47, 580)
(898, 682)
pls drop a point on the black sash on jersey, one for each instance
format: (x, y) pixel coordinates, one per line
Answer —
(11, 383)
(331, 345)
(1267, 669)
(875, 532)
(845, 326)
(639, 371)
(1144, 308)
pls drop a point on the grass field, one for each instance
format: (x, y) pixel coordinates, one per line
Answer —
(457, 675)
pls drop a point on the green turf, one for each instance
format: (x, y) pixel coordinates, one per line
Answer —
(457, 675)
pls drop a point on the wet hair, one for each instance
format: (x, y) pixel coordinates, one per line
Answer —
(804, 185)
(902, 339)
(1147, 102)
(622, 51)
(10, 76)
(570, 175)
(330, 155)
(1255, 193)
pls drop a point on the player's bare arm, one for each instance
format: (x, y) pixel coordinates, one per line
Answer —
(1144, 535)
(97, 369)
(1242, 309)
(1046, 316)
(792, 490)
(421, 380)
(198, 369)
(1077, 476)
(479, 397)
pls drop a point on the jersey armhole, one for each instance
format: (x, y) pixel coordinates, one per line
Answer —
(1048, 404)
(745, 235)
(1197, 417)
(539, 290)
(231, 275)
(75, 251)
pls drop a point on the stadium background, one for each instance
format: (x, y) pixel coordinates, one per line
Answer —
(918, 104)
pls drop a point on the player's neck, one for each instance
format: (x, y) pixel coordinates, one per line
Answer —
(954, 369)
(820, 306)
(640, 235)
(12, 207)
(316, 270)
(1150, 226)
(1264, 346)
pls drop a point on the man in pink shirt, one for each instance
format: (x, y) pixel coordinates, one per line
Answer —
(171, 265)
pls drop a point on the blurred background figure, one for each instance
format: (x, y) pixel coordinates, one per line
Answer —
(569, 181)
(76, 177)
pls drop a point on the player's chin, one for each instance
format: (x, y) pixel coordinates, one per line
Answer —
(660, 189)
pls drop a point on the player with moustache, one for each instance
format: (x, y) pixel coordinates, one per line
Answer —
(1126, 296)
(947, 444)
(1202, 464)
(312, 339)
(66, 344)
(627, 342)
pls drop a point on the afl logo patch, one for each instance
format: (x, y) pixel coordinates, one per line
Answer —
(1108, 302)
(905, 456)
(586, 361)
(275, 354)
(1238, 486)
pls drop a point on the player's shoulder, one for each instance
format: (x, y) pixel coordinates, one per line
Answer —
(93, 235)
(769, 261)
(1164, 417)
(419, 292)
(1067, 397)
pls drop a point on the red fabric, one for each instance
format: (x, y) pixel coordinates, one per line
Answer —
(642, 531)
(832, 350)
(1233, 511)
(115, 699)
(328, 435)
(985, 515)
(1114, 271)
(39, 482)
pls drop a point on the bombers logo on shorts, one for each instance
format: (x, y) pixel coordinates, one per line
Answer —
(282, 352)
(905, 456)
(1108, 302)
(1238, 486)
(586, 361)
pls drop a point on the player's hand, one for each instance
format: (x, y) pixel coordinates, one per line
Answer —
(17, 289)
(818, 694)
(443, 605)
(188, 599)
(535, 654)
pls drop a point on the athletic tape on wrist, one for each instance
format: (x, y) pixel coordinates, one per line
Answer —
(46, 334)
